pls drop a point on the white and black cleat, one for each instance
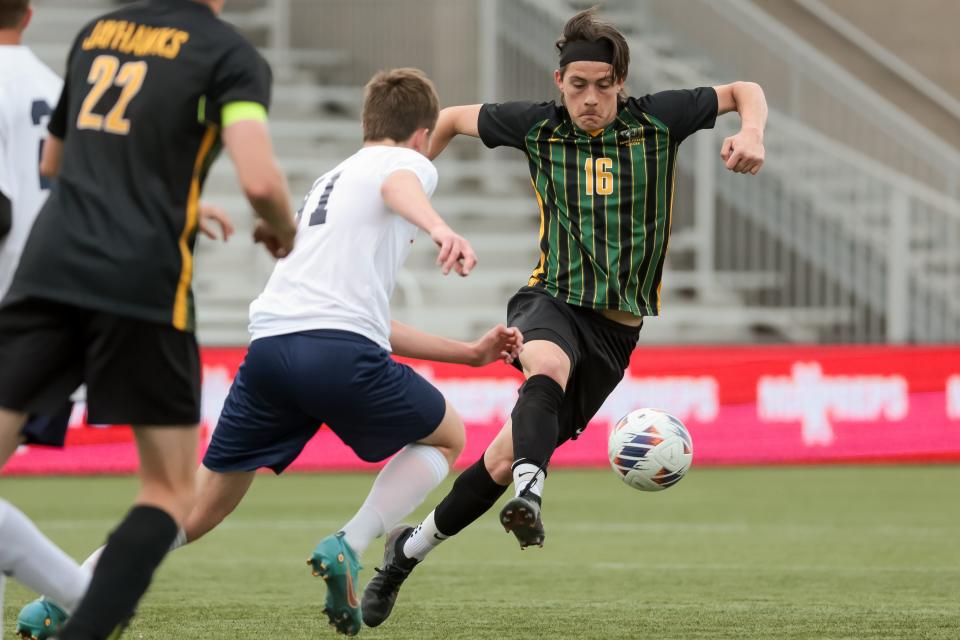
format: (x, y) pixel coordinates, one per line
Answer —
(521, 517)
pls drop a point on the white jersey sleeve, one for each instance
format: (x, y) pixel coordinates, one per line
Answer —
(419, 165)
(348, 251)
(29, 91)
(6, 128)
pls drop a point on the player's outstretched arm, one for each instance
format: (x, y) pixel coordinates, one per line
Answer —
(52, 156)
(743, 152)
(499, 343)
(264, 185)
(453, 121)
(403, 193)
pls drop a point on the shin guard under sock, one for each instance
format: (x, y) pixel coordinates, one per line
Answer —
(472, 495)
(134, 551)
(536, 426)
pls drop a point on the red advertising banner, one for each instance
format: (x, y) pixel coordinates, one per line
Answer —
(742, 405)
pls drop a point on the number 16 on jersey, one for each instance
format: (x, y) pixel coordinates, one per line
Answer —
(598, 171)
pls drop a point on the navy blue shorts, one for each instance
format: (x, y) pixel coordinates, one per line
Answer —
(49, 430)
(289, 385)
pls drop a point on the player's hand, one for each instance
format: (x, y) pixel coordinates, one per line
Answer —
(211, 217)
(278, 243)
(500, 343)
(743, 153)
(455, 252)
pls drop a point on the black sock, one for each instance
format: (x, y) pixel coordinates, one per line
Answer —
(535, 423)
(472, 495)
(134, 551)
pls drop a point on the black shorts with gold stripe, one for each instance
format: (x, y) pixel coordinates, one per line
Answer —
(136, 372)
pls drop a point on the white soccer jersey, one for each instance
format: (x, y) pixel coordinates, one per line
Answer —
(29, 91)
(348, 249)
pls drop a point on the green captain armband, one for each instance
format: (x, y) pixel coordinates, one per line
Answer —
(239, 111)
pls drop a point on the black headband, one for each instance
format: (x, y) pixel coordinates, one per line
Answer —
(585, 51)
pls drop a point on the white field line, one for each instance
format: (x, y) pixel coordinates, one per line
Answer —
(728, 528)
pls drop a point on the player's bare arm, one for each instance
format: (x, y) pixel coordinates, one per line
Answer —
(403, 193)
(743, 152)
(52, 156)
(454, 121)
(499, 343)
(6, 215)
(264, 185)
(213, 218)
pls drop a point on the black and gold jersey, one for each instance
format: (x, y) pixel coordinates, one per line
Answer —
(605, 196)
(139, 117)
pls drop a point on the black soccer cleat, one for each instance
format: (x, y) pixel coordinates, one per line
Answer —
(521, 516)
(383, 588)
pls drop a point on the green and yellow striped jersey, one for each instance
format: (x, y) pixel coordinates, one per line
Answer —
(605, 196)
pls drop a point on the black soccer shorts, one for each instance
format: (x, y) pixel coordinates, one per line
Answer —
(137, 372)
(599, 350)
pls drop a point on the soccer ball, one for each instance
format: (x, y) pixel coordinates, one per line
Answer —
(650, 450)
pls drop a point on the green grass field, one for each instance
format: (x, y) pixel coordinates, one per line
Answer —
(840, 552)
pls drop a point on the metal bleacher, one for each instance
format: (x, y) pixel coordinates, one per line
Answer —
(831, 242)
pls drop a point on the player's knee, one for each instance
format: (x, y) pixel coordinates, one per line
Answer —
(200, 522)
(452, 447)
(175, 498)
(553, 366)
(456, 441)
(449, 437)
(498, 466)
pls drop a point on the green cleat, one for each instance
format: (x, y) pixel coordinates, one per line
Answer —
(335, 562)
(40, 619)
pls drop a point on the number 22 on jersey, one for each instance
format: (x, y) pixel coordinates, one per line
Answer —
(599, 176)
(105, 72)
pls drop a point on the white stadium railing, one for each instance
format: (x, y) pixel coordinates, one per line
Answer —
(893, 63)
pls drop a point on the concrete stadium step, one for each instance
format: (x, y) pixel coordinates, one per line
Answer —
(495, 281)
(488, 211)
(492, 247)
(315, 96)
(320, 127)
(677, 323)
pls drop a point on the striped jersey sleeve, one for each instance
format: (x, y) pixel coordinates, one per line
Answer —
(683, 111)
(507, 124)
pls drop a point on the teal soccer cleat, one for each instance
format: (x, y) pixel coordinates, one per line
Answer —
(40, 620)
(335, 562)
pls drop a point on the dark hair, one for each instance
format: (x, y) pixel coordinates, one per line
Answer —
(12, 12)
(398, 102)
(585, 27)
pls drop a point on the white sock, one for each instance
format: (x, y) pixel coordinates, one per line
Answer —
(424, 539)
(523, 473)
(90, 563)
(180, 540)
(27, 555)
(400, 487)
